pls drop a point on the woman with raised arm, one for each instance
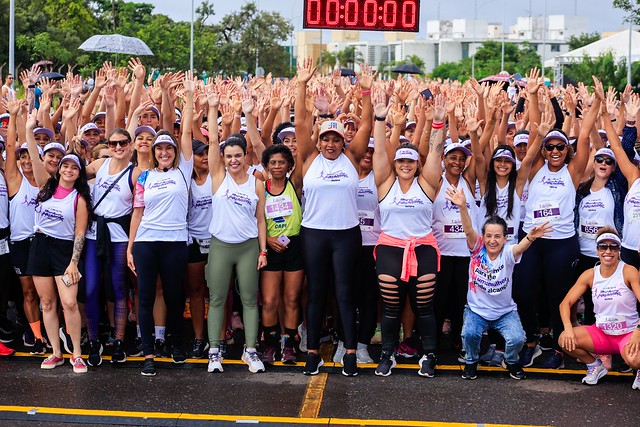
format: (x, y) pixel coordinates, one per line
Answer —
(238, 238)
(158, 234)
(407, 255)
(554, 178)
(330, 227)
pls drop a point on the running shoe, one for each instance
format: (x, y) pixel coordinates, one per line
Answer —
(109, 338)
(28, 338)
(269, 354)
(636, 381)
(95, 353)
(178, 356)
(148, 368)
(427, 365)
(38, 347)
(6, 337)
(161, 349)
(200, 348)
(407, 350)
(314, 362)
(252, 359)
(6, 351)
(594, 373)
(386, 364)
(462, 356)
(363, 355)
(528, 355)
(546, 342)
(624, 368)
(555, 361)
(136, 349)
(186, 315)
(377, 336)
(236, 321)
(340, 352)
(349, 365)
(470, 371)
(66, 339)
(215, 361)
(288, 356)
(302, 333)
(52, 362)
(515, 370)
(6, 326)
(78, 364)
(118, 355)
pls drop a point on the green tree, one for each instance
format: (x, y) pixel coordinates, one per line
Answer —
(415, 60)
(328, 60)
(349, 57)
(604, 68)
(583, 39)
(631, 7)
(452, 70)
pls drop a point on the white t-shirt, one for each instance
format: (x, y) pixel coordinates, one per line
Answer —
(595, 211)
(200, 209)
(490, 282)
(22, 211)
(233, 211)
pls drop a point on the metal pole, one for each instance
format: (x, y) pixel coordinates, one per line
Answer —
(191, 45)
(544, 37)
(629, 58)
(504, 24)
(12, 38)
(473, 41)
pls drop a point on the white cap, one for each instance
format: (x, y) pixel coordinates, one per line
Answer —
(504, 154)
(605, 152)
(89, 126)
(54, 146)
(554, 134)
(608, 236)
(332, 126)
(70, 158)
(456, 146)
(164, 139)
(406, 153)
(521, 138)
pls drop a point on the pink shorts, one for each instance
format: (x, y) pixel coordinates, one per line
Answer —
(607, 344)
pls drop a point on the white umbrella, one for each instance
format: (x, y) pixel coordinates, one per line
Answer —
(115, 43)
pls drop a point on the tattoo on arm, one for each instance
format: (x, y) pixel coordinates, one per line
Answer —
(435, 142)
(78, 244)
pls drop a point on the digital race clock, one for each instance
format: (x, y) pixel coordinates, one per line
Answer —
(373, 15)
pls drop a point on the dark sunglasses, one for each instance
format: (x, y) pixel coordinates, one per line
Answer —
(559, 147)
(606, 160)
(613, 247)
(122, 143)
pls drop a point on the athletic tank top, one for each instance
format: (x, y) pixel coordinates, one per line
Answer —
(595, 211)
(406, 215)
(57, 217)
(4, 202)
(368, 211)
(552, 197)
(91, 233)
(22, 211)
(331, 189)
(283, 211)
(233, 211)
(614, 303)
(502, 206)
(447, 225)
(631, 228)
(523, 201)
(199, 215)
(119, 201)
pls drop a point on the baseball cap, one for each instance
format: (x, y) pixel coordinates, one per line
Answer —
(456, 146)
(503, 153)
(71, 158)
(198, 147)
(410, 124)
(286, 131)
(98, 115)
(141, 129)
(45, 131)
(332, 126)
(24, 147)
(605, 152)
(554, 134)
(154, 109)
(521, 138)
(89, 126)
(164, 139)
(54, 146)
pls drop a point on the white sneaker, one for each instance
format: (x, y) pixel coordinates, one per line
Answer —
(363, 355)
(636, 382)
(252, 359)
(302, 332)
(594, 373)
(215, 361)
(340, 352)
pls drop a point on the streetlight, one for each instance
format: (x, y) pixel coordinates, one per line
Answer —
(12, 37)
(191, 45)
(504, 24)
(475, 18)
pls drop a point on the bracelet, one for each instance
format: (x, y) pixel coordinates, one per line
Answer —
(263, 251)
(262, 254)
(237, 116)
(326, 116)
(527, 237)
(613, 120)
(380, 119)
(365, 92)
(436, 126)
(31, 87)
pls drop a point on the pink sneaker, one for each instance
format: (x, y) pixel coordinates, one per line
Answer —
(79, 366)
(51, 362)
(6, 351)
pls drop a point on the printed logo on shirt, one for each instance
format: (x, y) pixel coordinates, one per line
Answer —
(163, 184)
(334, 176)
(607, 294)
(28, 201)
(592, 205)
(202, 204)
(362, 191)
(407, 202)
(552, 182)
(50, 213)
(105, 184)
(485, 279)
(238, 199)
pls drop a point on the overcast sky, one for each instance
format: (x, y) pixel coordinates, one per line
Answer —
(601, 14)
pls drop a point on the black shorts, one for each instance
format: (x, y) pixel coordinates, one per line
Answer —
(19, 251)
(289, 260)
(195, 254)
(49, 256)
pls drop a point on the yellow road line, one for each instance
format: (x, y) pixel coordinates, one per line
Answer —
(313, 395)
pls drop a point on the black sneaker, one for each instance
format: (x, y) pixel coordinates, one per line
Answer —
(200, 349)
(470, 371)
(516, 372)
(28, 338)
(314, 362)
(66, 339)
(118, 355)
(387, 363)
(546, 342)
(427, 365)
(148, 368)
(161, 349)
(95, 353)
(38, 347)
(178, 355)
(350, 365)
(529, 354)
(6, 337)
(136, 349)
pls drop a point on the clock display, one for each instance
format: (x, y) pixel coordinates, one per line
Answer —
(372, 15)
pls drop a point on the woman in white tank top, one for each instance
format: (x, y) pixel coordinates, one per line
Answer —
(330, 222)
(616, 293)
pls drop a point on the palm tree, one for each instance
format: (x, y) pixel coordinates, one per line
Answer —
(327, 61)
(349, 57)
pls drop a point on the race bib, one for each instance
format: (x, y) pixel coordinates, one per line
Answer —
(204, 245)
(453, 229)
(589, 228)
(635, 214)
(4, 246)
(510, 231)
(546, 211)
(612, 324)
(366, 220)
(276, 207)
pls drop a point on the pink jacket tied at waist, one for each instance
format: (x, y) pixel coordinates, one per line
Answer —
(409, 259)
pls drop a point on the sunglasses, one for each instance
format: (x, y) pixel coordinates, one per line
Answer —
(122, 143)
(613, 247)
(551, 147)
(606, 160)
(105, 157)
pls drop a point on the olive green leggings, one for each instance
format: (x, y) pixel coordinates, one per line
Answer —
(223, 257)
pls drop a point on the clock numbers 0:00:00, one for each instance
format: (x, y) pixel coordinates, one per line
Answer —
(399, 15)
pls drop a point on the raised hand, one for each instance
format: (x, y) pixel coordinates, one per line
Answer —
(248, 103)
(439, 108)
(380, 103)
(542, 230)
(533, 82)
(306, 70)
(189, 82)
(136, 67)
(213, 97)
(547, 120)
(633, 106)
(456, 197)
(365, 79)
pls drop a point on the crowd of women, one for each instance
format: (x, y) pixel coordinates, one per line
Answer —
(424, 206)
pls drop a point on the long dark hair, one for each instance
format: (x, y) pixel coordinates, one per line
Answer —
(490, 196)
(81, 185)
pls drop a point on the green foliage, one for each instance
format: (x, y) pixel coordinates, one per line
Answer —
(576, 42)
(630, 6)
(349, 57)
(328, 60)
(604, 68)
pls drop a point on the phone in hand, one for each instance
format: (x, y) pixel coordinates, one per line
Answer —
(284, 239)
(67, 281)
(427, 94)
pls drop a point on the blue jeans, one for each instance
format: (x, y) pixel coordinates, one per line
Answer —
(508, 326)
